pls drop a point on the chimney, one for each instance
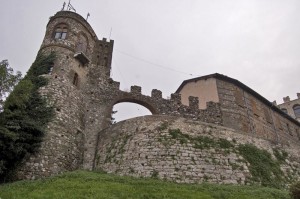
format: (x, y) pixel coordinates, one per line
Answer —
(298, 95)
(286, 99)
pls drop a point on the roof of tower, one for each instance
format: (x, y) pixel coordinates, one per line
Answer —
(77, 17)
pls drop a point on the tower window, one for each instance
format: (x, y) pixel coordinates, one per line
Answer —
(297, 110)
(61, 31)
(75, 79)
(105, 61)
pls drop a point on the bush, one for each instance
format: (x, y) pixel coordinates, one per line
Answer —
(25, 116)
(295, 190)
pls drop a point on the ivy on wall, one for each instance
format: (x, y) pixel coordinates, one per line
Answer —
(25, 116)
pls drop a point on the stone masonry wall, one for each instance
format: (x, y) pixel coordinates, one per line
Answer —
(244, 112)
(183, 150)
(101, 99)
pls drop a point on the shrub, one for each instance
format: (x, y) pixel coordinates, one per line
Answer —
(25, 116)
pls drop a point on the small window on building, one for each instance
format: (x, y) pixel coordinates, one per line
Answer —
(105, 61)
(51, 68)
(284, 110)
(61, 31)
(75, 79)
(297, 110)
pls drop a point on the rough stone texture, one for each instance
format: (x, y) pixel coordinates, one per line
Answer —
(254, 116)
(144, 146)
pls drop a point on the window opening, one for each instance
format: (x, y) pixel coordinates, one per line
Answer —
(284, 110)
(61, 32)
(51, 68)
(105, 61)
(75, 79)
(297, 110)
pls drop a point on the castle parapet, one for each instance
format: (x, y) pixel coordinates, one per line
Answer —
(176, 98)
(136, 90)
(157, 94)
(193, 102)
(114, 84)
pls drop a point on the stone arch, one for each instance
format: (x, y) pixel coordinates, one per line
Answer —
(144, 103)
(131, 99)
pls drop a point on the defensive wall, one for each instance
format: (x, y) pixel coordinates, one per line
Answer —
(186, 151)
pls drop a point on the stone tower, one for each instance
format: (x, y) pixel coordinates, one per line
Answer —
(82, 62)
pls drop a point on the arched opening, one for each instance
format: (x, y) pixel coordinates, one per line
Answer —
(296, 109)
(126, 110)
(61, 31)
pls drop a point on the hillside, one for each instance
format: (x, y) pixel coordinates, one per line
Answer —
(83, 184)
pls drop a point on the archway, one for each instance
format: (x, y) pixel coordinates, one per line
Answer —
(126, 110)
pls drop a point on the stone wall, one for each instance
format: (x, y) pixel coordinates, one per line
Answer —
(183, 150)
(245, 112)
(101, 99)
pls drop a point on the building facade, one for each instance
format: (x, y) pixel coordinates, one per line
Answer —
(291, 107)
(242, 108)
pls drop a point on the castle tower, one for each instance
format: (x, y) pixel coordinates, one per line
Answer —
(82, 62)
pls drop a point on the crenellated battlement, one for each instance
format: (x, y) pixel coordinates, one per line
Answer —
(158, 105)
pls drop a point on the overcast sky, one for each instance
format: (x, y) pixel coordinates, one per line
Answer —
(160, 43)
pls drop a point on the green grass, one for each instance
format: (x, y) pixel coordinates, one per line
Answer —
(83, 184)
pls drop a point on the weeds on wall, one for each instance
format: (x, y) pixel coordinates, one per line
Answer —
(25, 116)
(264, 169)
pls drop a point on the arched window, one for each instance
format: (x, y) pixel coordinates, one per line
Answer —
(82, 44)
(61, 31)
(297, 110)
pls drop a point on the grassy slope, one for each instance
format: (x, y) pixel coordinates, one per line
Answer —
(83, 184)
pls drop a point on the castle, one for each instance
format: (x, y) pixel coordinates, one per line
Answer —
(81, 136)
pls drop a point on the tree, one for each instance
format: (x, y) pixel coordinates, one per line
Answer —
(7, 80)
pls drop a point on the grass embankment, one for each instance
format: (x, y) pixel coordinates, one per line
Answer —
(83, 184)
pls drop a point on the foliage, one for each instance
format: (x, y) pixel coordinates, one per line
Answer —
(280, 155)
(24, 118)
(295, 190)
(262, 167)
(7, 80)
(200, 142)
(83, 184)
